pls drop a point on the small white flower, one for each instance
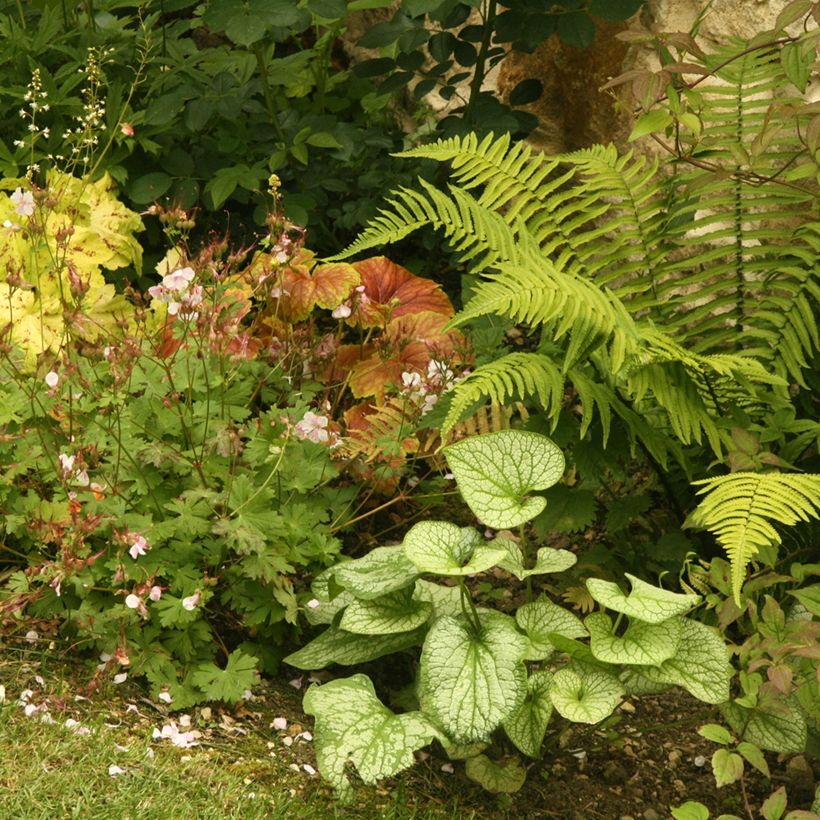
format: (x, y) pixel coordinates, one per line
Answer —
(52, 379)
(280, 724)
(312, 427)
(23, 200)
(121, 678)
(66, 462)
(32, 636)
(179, 279)
(341, 312)
(132, 601)
(139, 547)
(155, 594)
(190, 603)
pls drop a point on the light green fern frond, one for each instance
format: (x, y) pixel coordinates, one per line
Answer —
(513, 376)
(740, 509)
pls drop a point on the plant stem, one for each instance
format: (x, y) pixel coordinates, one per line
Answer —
(261, 64)
(468, 607)
(481, 63)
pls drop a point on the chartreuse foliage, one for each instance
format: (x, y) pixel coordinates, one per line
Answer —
(481, 669)
(666, 297)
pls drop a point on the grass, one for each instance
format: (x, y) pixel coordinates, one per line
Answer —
(242, 769)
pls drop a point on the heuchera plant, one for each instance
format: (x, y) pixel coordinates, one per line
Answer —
(482, 670)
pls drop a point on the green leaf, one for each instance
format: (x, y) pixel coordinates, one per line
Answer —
(797, 59)
(445, 600)
(576, 29)
(149, 187)
(527, 724)
(701, 665)
(230, 683)
(727, 767)
(352, 725)
(755, 756)
(505, 777)
(547, 560)
(323, 139)
(585, 695)
(447, 549)
(335, 645)
(644, 603)
(470, 682)
(381, 571)
(650, 123)
(495, 472)
(542, 618)
(775, 804)
(642, 644)
(526, 91)
(809, 597)
(569, 509)
(614, 10)
(716, 733)
(396, 612)
(691, 810)
(778, 726)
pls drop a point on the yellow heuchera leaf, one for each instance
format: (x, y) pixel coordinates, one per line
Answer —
(35, 331)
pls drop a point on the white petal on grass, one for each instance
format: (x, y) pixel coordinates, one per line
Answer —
(32, 636)
(122, 677)
(280, 724)
(114, 770)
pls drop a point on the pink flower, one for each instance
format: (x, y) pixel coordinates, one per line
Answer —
(190, 603)
(132, 601)
(155, 594)
(312, 427)
(313, 603)
(139, 547)
(341, 312)
(52, 379)
(179, 279)
(23, 202)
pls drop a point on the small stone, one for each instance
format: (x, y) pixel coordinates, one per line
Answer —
(674, 758)
(651, 814)
(626, 706)
(626, 817)
(679, 786)
(614, 773)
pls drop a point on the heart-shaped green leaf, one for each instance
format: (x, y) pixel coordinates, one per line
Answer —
(396, 612)
(643, 644)
(470, 682)
(447, 549)
(445, 600)
(701, 664)
(583, 694)
(381, 571)
(352, 725)
(496, 471)
(727, 767)
(335, 645)
(636, 683)
(505, 777)
(527, 725)
(542, 617)
(644, 603)
(547, 560)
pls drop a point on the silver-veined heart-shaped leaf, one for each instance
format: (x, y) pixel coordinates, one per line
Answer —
(498, 777)
(381, 571)
(583, 694)
(336, 645)
(636, 683)
(778, 725)
(495, 472)
(352, 725)
(644, 603)
(642, 644)
(527, 725)
(396, 612)
(547, 560)
(326, 611)
(470, 682)
(445, 600)
(542, 617)
(701, 664)
(447, 549)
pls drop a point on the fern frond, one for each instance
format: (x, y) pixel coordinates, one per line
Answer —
(516, 375)
(739, 510)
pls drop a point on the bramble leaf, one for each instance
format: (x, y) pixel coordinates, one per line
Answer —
(352, 725)
(727, 767)
(779, 726)
(495, 472)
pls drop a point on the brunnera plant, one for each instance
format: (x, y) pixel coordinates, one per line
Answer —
(482, 670)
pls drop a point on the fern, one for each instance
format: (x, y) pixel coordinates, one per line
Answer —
(739, 510)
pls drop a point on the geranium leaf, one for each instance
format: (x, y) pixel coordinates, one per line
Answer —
(541, 618)
(642, 644)
(391, 291)
(496, 471)
(336, 645)
(505, 777)
(644, 603)
(700, 665)
(396, 612)
(527, 725)
(546, 560)
(230, 683)
(471, 682)
(382, 570)
(446, 549)
(583, 694)
(352, 725)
